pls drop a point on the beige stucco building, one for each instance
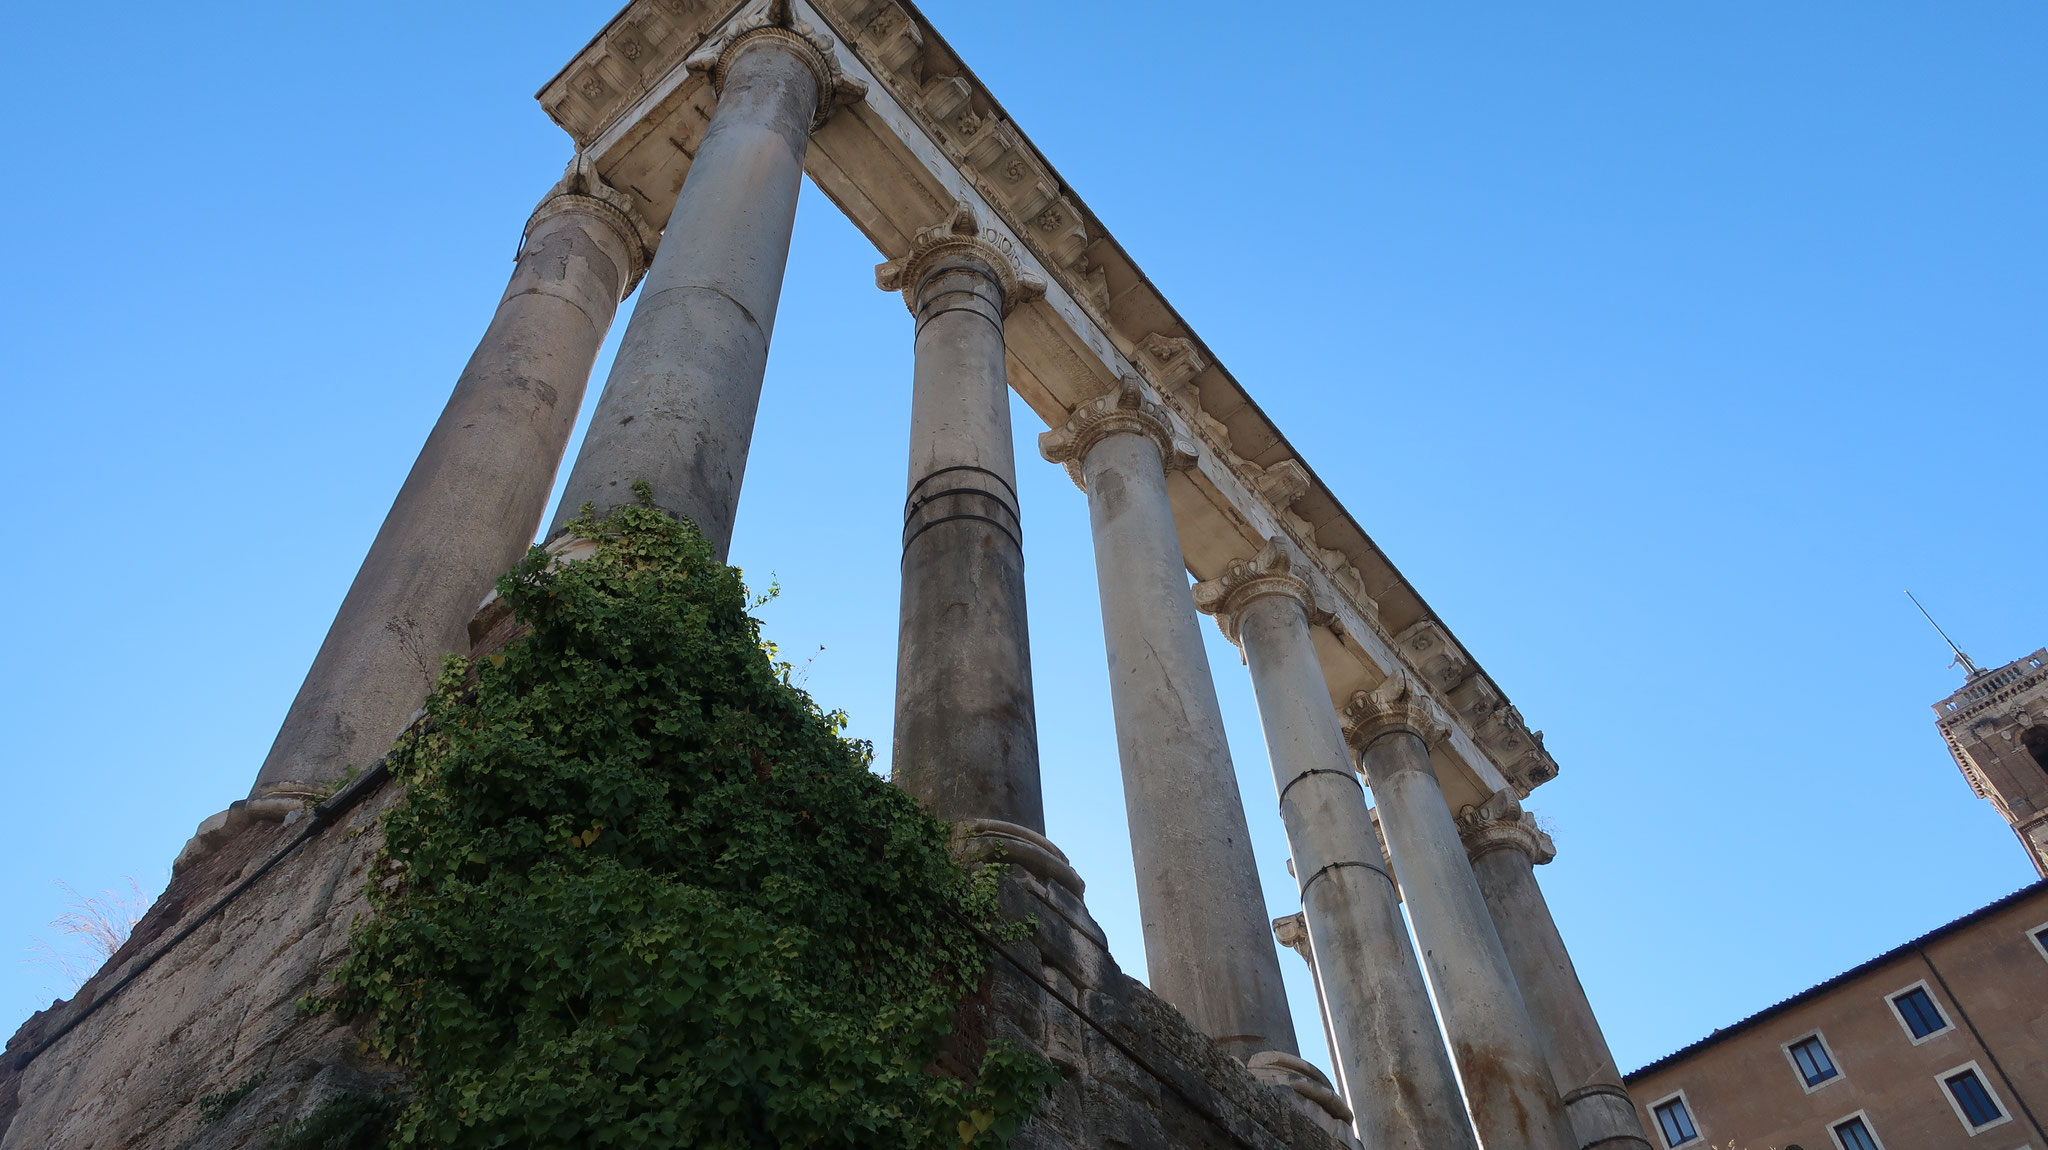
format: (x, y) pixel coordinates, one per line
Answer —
(1939, 1042)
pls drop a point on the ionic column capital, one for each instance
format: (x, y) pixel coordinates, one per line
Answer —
(1244, 581)
(958, 237)
(1292, 932)
(776, 23)
(1395, 705)
(1500, 822)
(1122, 410)
(582, 190)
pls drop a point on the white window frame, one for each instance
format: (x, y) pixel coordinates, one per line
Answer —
(1948, 1025)
(1693, 1116)
(1990, 1091)
(1868, 1125)
(2034, 936)
(1799, 1075)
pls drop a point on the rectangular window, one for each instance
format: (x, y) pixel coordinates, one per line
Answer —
(2040, 936)
(1676, 1122)
(1810, 1055)
(1919, 1012)
(1854, 1135)
(1973, 1101)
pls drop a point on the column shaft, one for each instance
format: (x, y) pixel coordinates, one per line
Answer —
(1402, 1089)
(1595, 1100)
(1208, 949)
(678, 409)
(966, 731)
(468, 509)
(1508, 1088)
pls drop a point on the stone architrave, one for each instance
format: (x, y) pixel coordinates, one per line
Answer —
(678, 409)
(1208, 949)
(1401, 1085)
(1505, 846)
(468, 509)
(966, 730)
(1501, 1056)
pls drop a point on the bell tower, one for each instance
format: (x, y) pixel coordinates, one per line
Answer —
(1997, 728)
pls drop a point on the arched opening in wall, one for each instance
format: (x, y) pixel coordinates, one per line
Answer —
(2036, 741)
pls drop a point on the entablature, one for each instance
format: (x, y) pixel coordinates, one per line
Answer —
(928, 136)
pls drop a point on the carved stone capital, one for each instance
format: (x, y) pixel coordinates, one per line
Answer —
(776, 22)
(1244, 581)
(959, 236)
(1395, 705)
(1292, 932)
(1123, 409)
(1500, 822)
(582, 190)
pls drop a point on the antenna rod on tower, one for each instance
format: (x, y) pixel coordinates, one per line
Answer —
(1968, 667)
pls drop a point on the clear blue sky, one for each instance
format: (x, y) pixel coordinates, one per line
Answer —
(1660, 346)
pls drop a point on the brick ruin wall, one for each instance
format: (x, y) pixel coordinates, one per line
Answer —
(220, 1008)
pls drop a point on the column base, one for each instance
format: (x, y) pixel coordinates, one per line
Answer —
(1307, 1088)
(992, 840)
(1603, 1115)
(279, 803)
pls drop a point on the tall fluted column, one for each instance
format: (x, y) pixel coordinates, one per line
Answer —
(1402, 1089)
(1500, 1055)
(966, 731)
(678, 410)
(1505, 847)
(1208, 949)
(468, 509)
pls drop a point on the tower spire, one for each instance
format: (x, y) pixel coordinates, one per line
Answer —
(1969, 668)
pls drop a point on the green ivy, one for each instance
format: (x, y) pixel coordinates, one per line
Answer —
(641, 891)
(214, 1107)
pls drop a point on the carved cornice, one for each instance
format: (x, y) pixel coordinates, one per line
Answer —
(1394, 705)
(777, 23)
(1122, 410)
(1244, 581)
(962, 235)
(1500, 822)
(581, 189)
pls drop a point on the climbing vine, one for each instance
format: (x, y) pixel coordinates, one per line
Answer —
(641, 891)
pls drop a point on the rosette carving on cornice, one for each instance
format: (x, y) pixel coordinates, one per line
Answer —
(1123, 409)
(960, 235)
(582, 189)
(777, 21)
(1395, 705)
(1244, 581)
(1501, 822)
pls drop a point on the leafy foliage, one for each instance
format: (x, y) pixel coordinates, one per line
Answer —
(642, 892)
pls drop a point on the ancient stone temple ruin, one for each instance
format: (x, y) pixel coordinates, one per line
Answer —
(694, 123)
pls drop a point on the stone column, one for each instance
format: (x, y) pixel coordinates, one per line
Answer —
(1402, 1089)
(966, 731)
(1505, 847)
(678, 410)
(1208, 949)
(468, 509)
(1500, 1054)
